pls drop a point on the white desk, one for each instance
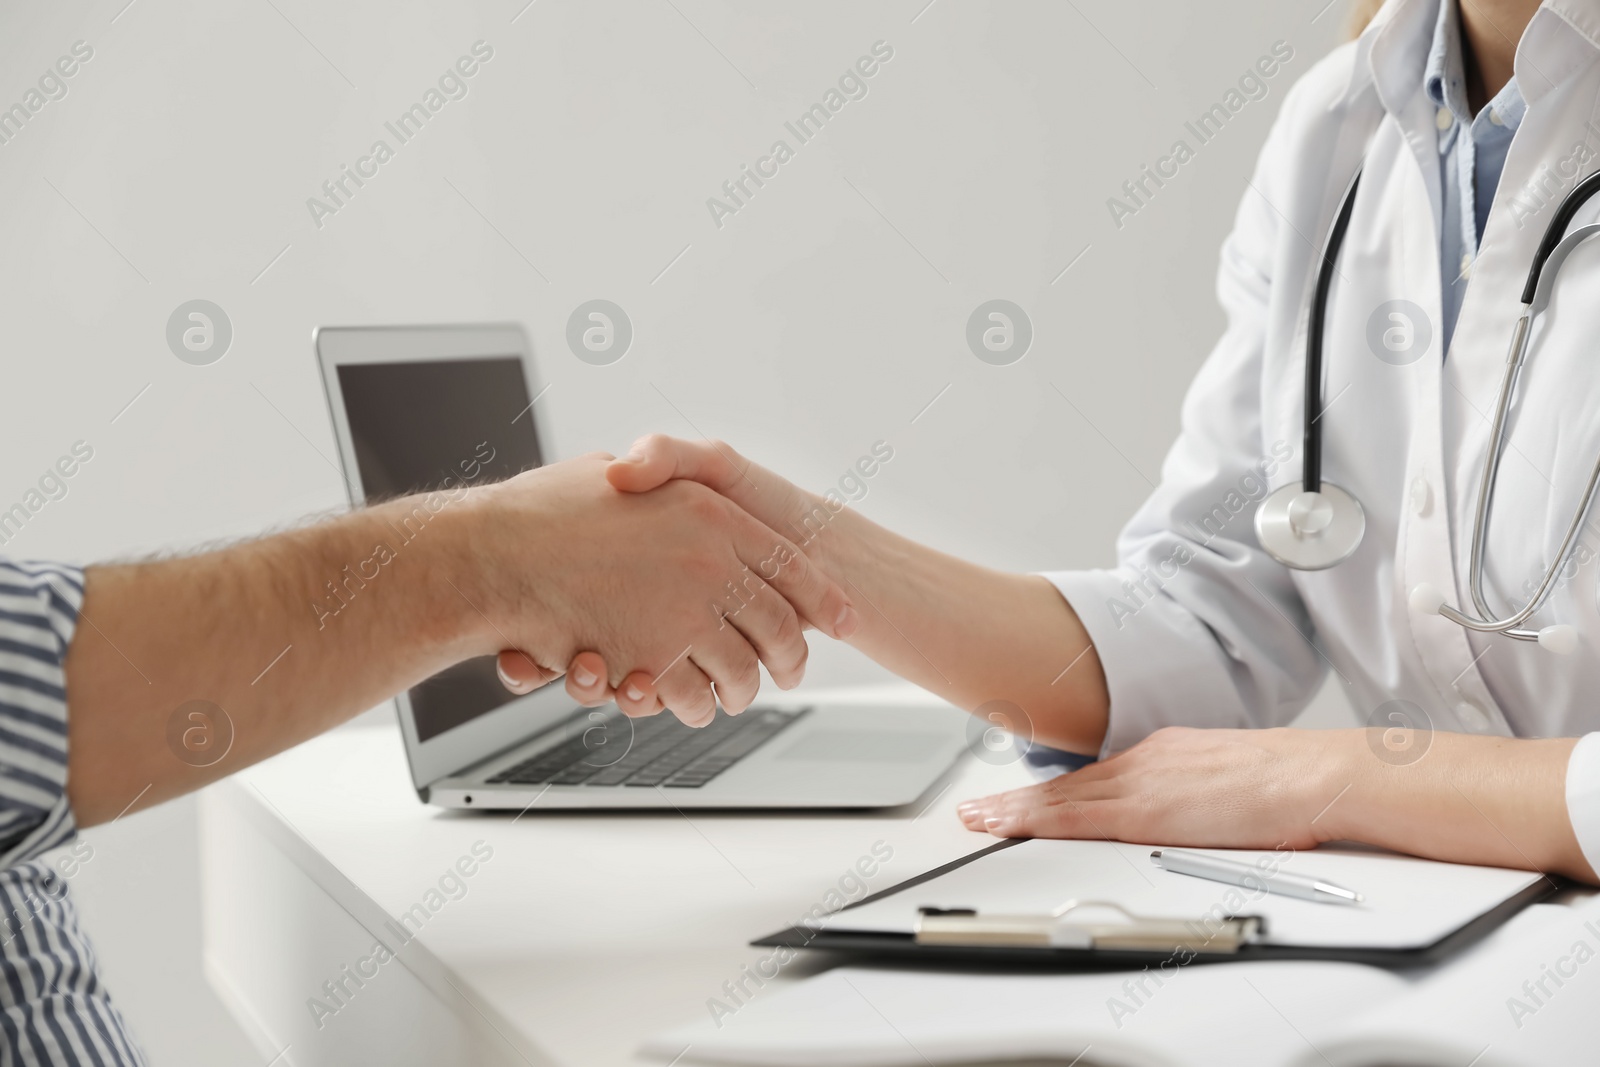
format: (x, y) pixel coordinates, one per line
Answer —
(581, 934)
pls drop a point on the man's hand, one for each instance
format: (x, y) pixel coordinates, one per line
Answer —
(678, 583)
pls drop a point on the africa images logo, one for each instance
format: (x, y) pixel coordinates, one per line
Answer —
(199, 733)
(1252, 85)
(599, 332)
(52, 85)
(199, 332)
(339, 190)
(852, 85)
(999, 332)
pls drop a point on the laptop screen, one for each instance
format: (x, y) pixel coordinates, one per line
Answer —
(414, 426)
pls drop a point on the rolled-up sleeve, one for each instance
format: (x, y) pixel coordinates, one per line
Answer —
(39, 605)
(55, 1010)
(1196, 625)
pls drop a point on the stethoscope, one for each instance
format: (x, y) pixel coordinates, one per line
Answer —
(1315, 525)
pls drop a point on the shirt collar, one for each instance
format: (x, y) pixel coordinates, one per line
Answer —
(1445, 77)
(1392, 53)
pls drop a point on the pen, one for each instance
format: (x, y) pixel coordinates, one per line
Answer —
(1233, 872)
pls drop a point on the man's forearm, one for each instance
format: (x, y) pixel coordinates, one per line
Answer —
(288, 635)
(968, 633)
(292, 634)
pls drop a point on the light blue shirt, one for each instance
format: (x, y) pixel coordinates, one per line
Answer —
(1472, 153)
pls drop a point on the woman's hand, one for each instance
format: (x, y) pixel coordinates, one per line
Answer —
(769, 498)
(1495, 801)
(1182, 786)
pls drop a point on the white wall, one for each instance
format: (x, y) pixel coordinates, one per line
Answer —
(823, 316)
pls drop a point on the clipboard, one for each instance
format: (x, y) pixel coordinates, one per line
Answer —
(1097, 931)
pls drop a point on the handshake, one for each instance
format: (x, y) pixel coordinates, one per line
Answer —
(658, 580)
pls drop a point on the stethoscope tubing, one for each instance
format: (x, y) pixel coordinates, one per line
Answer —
(1311, 442)
(1555, 244)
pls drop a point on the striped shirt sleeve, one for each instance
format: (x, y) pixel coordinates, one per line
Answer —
(39, 604)
(54, 1009)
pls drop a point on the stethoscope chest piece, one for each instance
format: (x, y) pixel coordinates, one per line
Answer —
(1310, 531)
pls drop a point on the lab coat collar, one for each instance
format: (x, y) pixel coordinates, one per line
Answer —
(1394, 47)
(1563, 36)
(1392, 52)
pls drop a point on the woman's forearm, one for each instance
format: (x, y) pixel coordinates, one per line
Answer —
(968, 633)
(1498, 801)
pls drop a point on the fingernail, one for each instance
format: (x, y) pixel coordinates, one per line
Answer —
(633, 694)
(584, 677)
(847, 622)
(969, 810)
(995, 825)
(506, 679)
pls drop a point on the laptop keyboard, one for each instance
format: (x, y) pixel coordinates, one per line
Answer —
(657, 751)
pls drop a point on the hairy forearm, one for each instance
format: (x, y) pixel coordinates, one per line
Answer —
(968, 633)
(287, 635)
(1490, 800)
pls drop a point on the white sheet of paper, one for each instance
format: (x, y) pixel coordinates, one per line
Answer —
(1410, 902)
(1523, 996)
(1233, 1013)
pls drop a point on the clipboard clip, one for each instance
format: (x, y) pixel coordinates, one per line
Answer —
(1058, 929)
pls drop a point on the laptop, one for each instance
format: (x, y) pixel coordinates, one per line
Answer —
(415, 405)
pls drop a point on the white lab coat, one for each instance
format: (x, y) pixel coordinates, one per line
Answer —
(1201, 627)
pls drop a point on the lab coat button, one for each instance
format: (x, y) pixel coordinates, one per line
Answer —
(1471, 716)
(1443, 119)
(1421, 495)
